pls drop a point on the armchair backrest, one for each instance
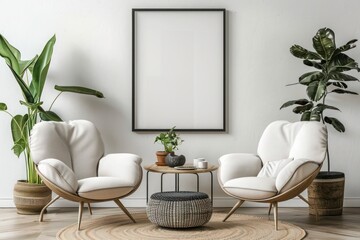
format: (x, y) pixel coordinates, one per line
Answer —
(282, 139)
(77, 143)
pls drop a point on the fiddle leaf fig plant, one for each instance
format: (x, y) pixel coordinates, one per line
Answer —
(170, 140)
(330, 63)
(31, 77)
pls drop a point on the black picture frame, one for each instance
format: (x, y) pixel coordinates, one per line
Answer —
(142, 17)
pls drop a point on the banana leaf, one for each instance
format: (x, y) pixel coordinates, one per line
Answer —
(80, 90)
(24, 65)
(342, 91)
(349, 45)
(48, 115)
(335, 123)
(10, 54)
(12, 57)
(41, 68)
(316, 90)
(320, 107)
(19, 147)
(324, 43)
(313, 64)
(342, 77)
(303, 53)
(292, 102)
(305, 116)
(310, 77)
(19, 133)
(26, 91)
(342, 63)
(302, 109)
(3, 106)
(338, 84)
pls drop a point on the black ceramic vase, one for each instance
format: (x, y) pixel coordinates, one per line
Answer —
(173, 160)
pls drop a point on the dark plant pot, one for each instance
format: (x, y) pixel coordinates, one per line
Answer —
(30, 198)
(327, 193)
(173, 160)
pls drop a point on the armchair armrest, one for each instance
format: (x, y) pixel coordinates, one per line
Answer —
(236, 165)
(59, 174)
(294, 172)
(126, 166)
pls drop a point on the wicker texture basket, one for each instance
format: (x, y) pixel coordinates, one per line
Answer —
(179, 209)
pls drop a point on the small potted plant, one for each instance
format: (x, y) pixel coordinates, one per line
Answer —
(330, 63)
(170, 140)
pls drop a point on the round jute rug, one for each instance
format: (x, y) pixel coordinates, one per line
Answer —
(236, 227)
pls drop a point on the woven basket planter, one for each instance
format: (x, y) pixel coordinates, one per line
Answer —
(327, 193)
(179, 209)
(30, 198)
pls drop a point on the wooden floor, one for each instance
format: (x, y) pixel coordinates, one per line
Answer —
(21, 227)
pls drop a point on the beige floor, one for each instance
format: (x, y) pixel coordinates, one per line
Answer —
(21, 227)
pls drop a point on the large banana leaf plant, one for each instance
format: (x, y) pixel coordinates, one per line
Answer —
(330, 63)
(31, 76)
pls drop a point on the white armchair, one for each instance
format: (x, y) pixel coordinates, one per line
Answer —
(289, 157)
(70, 160)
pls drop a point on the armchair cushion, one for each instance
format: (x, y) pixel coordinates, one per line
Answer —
(125, 166)
(251, 187)
(236, 165)
(99, 188)
(293, 173)
(59, 174)
(272, 168)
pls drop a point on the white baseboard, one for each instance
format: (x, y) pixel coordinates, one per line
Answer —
(218, 202)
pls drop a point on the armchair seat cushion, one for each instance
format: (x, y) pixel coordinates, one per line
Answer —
(102, 188)
(255, 188)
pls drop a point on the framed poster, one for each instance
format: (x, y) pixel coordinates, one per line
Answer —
(178, 69)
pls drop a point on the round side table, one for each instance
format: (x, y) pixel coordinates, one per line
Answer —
(177, 172)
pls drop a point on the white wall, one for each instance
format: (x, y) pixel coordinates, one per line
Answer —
(94, 49)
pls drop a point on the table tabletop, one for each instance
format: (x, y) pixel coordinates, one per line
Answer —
(167, 169)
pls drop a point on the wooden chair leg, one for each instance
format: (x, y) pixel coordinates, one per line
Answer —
(314, 206)
(276, 215)
(270, 207)
(89, 207)
(237, 205)
(47, 205)
(117, 201)
(81, 206)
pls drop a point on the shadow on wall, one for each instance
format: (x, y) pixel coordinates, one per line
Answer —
(78, 69)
